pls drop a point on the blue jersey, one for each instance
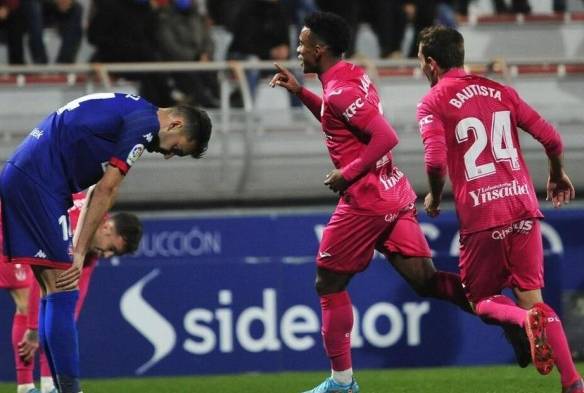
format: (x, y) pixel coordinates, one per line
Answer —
(70, 149)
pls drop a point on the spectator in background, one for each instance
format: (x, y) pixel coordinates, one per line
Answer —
(125, 31)
(261, 31)
(501, 7)
(65, 16)
(184, 35)
(12, 26)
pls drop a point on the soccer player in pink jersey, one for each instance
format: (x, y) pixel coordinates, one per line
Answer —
(376, 205)
(119, 234)
(469, 126)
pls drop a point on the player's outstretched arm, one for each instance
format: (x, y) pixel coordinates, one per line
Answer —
(288, 81)
(560, 189)
(285, 79)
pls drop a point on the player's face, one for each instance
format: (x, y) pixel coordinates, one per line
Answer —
(174, 141)
(107, 242)
(428, 67)
(307, 52)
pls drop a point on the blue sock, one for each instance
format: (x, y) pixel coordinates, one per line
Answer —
(43, 337)
(61, 336)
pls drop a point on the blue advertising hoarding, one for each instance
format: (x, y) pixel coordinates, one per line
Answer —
(221, 294)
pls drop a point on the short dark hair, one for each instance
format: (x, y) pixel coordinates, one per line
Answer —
(443, 44)
(129, 227)
(331, 29)
(197, 125)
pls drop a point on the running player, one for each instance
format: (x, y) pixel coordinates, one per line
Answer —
(376, 205)
(469, 126)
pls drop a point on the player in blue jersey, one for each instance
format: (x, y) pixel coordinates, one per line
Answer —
(94, 139)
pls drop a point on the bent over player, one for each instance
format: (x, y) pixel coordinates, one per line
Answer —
(469, 126)
(119, 234)
(376, 207)
(94, 139)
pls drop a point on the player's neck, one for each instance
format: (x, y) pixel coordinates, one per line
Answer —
(327, 64)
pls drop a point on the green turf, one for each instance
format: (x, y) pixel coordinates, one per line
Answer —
(501, 379)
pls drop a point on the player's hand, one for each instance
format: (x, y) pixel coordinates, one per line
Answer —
(69, 279)
(285, 79)
(28, 346)
(335, 181)
(431, 205)
(560, 191)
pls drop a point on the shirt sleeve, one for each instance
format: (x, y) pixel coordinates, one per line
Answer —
(311, 101)
(361, 114)
(433, 137)
(529, 120)
(138, 130)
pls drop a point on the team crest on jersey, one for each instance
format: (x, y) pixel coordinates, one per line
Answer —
(135, 153)
(19, 272)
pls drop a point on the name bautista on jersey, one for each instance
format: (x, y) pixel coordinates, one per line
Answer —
(487, 194)
(471, 91)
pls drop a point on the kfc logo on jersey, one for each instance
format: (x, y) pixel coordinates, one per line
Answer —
(135, 153)
(352, 109)
(426, 120)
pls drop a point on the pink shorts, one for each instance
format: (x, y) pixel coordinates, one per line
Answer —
(14, 275)
(509, 256)
(349, 240)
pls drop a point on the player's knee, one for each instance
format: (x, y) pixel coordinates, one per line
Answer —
(326, 287)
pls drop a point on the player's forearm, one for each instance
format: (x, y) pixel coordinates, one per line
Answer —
(556, 166)
(436, 181)
(311, 101)
(383, 139)
(97, 205)
(34, 298)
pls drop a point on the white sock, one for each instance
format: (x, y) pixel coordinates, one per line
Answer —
(47, 384)
(344, 377)
(24, 388)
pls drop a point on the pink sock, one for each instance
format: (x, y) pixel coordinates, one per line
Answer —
(447, 286)
(337, 323)
(557, 340)
(501, 309)
(23, 370)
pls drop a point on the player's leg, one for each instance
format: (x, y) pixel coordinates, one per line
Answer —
(60, 330)
(544, 325)
(346, 248)
(24, 370)
(406, 248)
(84, 281)
(36, 230)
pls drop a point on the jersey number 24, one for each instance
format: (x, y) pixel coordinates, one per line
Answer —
(501, 143)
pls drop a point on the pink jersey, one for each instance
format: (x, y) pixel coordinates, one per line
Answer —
(469, 125)
(351, 116)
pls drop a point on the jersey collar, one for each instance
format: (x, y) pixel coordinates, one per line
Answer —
(454, 73)
(328, 75)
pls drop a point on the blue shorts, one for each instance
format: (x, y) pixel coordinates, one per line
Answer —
(35, 222)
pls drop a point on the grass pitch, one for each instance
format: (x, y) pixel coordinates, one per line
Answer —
(496, 379)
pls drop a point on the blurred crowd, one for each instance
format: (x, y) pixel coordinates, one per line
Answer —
(180, 30)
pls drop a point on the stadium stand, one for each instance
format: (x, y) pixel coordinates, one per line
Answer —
(265, 141)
